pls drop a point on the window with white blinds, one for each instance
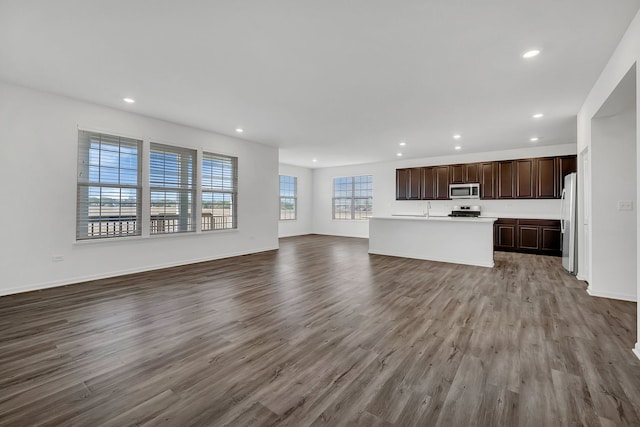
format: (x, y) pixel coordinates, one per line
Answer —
(288, 197)
(109, 186)
(171, 181)
(353, 197)
(219, 192)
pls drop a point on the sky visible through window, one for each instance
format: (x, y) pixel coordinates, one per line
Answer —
(218, 192)
(288, 197)
(171, 177)
(108, 186)
(352, 197)
(115, 164)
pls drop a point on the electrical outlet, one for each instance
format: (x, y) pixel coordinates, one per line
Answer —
(57, 258)
(625, 205)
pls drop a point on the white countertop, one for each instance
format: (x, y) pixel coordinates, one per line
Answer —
(436, 218)
(528, 216)
(487, 215)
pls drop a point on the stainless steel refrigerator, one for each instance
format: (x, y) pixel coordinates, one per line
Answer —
(569, 224)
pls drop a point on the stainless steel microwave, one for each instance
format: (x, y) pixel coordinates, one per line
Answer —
(464, 191)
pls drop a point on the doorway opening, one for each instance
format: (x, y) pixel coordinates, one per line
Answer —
(613, 207)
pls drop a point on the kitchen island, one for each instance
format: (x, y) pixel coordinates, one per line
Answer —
(446, 239)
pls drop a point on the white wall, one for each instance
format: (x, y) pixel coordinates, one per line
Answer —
(613, 232)
(38, 158)
(323, 195)
(625, 56)
(384, 192)
(302, 224)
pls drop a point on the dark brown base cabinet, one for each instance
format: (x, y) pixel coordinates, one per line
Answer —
(537, 178)
(535, 236)
(504, 234)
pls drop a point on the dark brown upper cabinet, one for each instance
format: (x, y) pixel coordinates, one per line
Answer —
(402, 183)
(546, 181)
(565, 165)
(428, 184)
(525, 177)
(506, 181)
(471, 174)
(441, 174)
(409, 184)
(538, 178)
(415, 184)
(464, 174)
(487, 172)
(457, 174)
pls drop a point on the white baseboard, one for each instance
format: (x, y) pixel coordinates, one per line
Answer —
(636, 350)
(81, 279)
(282, 236)
(612, 295)
(357, 236)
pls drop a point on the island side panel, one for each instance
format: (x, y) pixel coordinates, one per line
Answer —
(446, 240)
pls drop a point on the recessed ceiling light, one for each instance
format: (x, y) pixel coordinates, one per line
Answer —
(402, 143)
(399, 154)
(129, 100)
(457, 136)
(457, 147)
(314, 160)
(538, 115)
(531, 53)
(534, 139)
(239, 130)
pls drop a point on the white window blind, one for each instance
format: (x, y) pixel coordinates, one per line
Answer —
(288, 197)
(171, 180)
(108, 199)
(219, 192)
(353, 197)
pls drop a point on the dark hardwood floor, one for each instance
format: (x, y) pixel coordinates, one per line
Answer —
(320, 333)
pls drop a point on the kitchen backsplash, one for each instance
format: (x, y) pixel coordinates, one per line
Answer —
(523, 208)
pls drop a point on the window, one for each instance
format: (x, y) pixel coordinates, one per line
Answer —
(172, 189)
(288, 197)
(352, 197)
(109, 188)
(219, 192)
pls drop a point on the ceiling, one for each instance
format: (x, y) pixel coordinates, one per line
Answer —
(339, 81)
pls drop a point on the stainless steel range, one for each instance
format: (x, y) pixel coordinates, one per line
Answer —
(465, 211)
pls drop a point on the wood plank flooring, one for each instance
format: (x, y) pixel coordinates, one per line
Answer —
(319, 333)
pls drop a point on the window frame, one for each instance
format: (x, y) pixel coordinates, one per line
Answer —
(186, 222)
(84, 187)
(141, 221)
(233, 192)
(353, 199)
(294, 197)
